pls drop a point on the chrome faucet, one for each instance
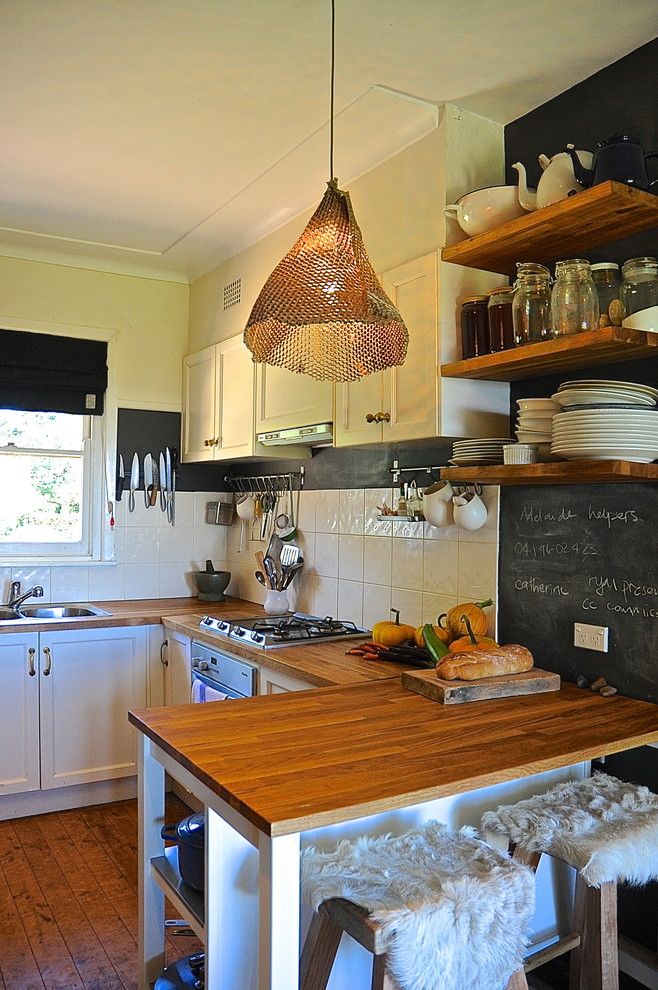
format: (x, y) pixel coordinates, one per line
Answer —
(15, 597)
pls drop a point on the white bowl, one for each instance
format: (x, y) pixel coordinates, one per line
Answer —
(485, 209)
(521, 453)
(644, 319)
(537, 407)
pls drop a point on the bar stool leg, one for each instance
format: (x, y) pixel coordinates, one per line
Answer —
(381, 979)
(600, 966)
(578, 925)
(517, 981)
(319, 952)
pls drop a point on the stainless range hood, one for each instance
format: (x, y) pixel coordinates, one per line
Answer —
(319, 434)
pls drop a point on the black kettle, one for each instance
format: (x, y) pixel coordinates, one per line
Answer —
(620, 158)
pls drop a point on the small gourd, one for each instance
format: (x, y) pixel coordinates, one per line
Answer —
(392, 633)
(442, 634)
(454, 619)
(471, 642)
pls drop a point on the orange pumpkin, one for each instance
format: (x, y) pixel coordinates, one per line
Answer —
(441, 633)
(454, 619)
(471, 642)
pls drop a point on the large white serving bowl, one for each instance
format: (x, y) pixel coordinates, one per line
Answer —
(485, 209)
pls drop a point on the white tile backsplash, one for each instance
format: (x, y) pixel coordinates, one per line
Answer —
(359, 568)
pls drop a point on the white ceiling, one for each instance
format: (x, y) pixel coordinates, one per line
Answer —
(164, 135)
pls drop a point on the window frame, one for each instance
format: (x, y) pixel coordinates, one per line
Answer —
(89, 548)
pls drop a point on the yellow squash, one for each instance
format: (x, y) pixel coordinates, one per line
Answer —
(392, 633)
(442, 634)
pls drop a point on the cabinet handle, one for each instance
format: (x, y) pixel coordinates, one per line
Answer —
(380, 417)
(49, 661)
(31, 669)
(163, 659)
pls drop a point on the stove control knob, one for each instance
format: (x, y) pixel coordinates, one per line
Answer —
(206, 620)
(199, 664)
(258, 638)
(239, 632)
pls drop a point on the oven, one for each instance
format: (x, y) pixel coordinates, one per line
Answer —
(217, 676)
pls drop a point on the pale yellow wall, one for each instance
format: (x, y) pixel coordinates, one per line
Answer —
(398, 205)
(151, 318)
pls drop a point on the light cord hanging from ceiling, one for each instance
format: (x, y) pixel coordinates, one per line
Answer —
(322, 312)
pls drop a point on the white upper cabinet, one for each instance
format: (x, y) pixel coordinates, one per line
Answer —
(199, 405)
(285, 400)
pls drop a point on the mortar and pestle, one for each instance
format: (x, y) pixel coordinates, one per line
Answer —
(211, 584)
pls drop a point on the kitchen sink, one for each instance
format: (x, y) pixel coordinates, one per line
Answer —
(60, 611)
(8, 615)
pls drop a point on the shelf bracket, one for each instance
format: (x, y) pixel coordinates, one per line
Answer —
(396, 470)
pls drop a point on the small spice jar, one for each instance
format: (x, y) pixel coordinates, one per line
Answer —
(531, 312)
(474, 326)
(574, 302)
(499, 310)
(639, 286)
(607, 281)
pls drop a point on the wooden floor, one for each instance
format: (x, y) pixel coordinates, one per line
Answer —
(68, 903)
(68, 900)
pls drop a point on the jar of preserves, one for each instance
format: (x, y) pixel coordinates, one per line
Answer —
(639, 286)
(474, 327)
(499, 308)
(607, 282)
(574, 302)
(531, 312)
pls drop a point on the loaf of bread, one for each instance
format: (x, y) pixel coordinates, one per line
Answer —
(510, 659)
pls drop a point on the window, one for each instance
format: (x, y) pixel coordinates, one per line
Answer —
(45, 484)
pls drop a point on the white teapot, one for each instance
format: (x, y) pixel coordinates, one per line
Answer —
(557, 181)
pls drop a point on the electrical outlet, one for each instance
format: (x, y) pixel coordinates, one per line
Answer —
(590, 637)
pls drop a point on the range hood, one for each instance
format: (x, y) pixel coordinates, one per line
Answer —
(321, 433)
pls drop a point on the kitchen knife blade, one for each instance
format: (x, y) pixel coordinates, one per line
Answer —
(174, 472)
(168, 475)
(148, 479)
(163, 483)
(121, 479)
(134, 482)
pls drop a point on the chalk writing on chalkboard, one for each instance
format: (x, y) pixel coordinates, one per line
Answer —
(583, 554)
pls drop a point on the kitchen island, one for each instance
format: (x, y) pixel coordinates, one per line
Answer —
(269, 769)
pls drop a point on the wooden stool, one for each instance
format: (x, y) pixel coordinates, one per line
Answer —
(464, 907)
(321, 946)
(605, 829)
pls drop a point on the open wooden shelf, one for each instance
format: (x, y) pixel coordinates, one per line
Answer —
(607, 345)
(557, 473)
(604, 213)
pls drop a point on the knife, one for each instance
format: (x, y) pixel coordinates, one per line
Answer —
(163, 483)
(148, 479)
(174, 472)
(168, 476)
(121, 478)
(156, 482)
(134, 482)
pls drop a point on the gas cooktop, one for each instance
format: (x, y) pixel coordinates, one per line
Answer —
(287, 630)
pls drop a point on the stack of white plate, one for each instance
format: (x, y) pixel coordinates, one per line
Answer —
(587, 392)
(630, 434)
(479, 452)
(535, 420)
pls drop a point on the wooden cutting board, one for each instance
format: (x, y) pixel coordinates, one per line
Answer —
(535, 681)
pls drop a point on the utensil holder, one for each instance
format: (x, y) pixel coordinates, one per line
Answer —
(276, 603)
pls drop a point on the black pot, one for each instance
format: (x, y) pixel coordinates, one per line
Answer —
(184, 973)
(189, 836)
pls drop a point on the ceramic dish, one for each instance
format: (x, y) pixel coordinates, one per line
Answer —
(645, 319)
(607, 383)
(587, 396)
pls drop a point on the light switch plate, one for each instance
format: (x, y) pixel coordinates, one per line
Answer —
(590, 637)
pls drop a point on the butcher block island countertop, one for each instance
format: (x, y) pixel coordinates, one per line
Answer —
(299, 761)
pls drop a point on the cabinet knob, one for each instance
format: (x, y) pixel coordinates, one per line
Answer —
(371, 418)
(380, 417)
(207, 443)
(215, 442)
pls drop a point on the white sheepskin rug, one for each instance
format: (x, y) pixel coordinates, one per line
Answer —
(602, 826)
(454, 911)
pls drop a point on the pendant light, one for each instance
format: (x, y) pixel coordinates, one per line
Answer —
(322, 311)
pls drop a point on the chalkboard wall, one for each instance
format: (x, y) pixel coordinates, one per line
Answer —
(583, 554)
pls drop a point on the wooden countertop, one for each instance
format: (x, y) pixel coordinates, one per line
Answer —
(312, 758)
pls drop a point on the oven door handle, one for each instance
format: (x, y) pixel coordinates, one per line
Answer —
(216, 686)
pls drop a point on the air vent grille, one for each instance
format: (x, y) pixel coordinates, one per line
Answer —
(232, 291)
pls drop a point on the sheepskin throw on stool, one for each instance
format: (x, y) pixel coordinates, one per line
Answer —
(454, 911)
(605, 828)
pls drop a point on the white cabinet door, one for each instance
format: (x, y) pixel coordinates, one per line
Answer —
(354, 402)
(285, 400)
(273, 682)
(236, 373)
(19, 713)
(199, 425)
(178, 678)
(89, 681)
(411, 390)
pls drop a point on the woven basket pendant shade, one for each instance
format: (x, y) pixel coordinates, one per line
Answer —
(322, 311)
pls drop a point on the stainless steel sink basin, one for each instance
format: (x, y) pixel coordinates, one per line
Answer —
(8, 614)
(60, 611)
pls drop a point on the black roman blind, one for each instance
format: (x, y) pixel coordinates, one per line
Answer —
(40, 372)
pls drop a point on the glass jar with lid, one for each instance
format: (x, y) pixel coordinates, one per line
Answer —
(474, 326)
(607, 281)
(639, 286)
(531, 310)
(574, 302)
(501, 330)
